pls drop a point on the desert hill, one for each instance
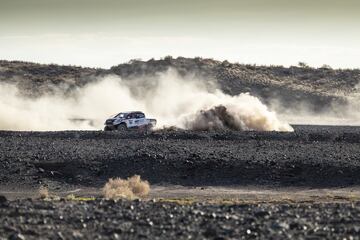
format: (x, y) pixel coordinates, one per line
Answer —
(317, 88)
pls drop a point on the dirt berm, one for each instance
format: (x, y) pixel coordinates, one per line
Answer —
(310, 156)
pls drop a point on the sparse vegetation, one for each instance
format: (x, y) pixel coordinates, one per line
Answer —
(303, 65)
(326, 66)
(131, 188)
(44, 192)
(72, 197)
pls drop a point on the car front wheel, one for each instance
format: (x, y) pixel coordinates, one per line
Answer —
(121, 127)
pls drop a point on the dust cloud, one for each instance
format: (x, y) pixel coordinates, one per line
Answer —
(344, 114)
(183, 102)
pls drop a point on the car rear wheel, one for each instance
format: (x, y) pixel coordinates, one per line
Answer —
(149, 127)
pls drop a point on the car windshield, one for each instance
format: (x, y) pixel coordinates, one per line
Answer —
(118, 115)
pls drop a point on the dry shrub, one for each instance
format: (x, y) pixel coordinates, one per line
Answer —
(44, 192)
(139, 187)
(131, 188)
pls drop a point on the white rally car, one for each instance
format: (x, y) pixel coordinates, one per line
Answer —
(127, 120)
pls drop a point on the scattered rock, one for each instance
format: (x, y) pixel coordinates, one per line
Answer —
(2, 199)
(153, 220)
(17, 236)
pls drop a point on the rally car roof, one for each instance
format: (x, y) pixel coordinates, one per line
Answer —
(130, 112)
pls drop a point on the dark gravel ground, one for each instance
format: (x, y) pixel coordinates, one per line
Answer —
(100, 219)
(310, 156)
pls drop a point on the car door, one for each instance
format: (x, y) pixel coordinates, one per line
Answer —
(130, 120)
(139, 119)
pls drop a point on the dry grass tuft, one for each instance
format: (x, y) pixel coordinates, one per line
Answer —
(44, 192)
(139, 187)
(70, 197)
(131, 188)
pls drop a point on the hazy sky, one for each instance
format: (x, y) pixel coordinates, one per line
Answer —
(103, 33)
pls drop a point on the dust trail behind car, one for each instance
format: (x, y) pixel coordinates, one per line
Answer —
(171, 99)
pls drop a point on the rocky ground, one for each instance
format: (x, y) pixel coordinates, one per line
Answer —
(101, 219)
(311, 157)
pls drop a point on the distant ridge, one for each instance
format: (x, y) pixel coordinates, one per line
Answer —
(318, 88)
